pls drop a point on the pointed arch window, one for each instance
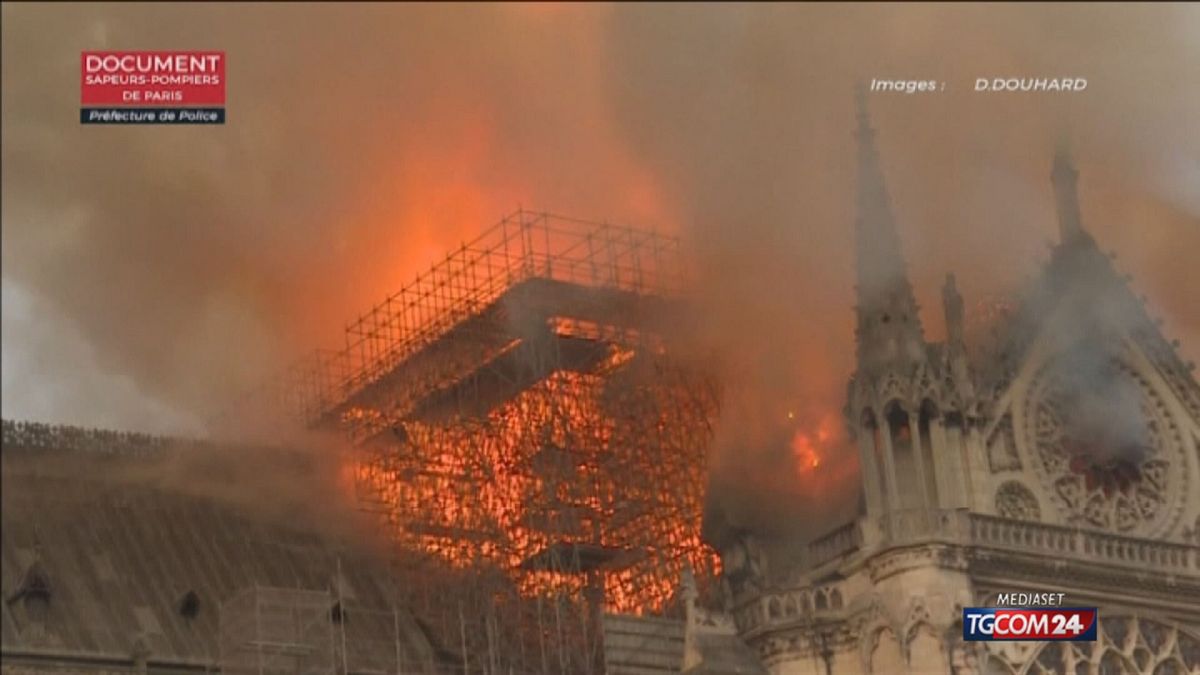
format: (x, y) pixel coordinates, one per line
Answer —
(871, 430)
(904, 457)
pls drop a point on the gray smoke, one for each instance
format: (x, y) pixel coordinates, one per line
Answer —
(1081, 318)
(1102, 409)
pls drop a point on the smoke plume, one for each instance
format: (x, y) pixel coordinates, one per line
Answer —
(363, 141)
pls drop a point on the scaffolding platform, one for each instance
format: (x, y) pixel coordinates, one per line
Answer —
(276, 631)
(529, 440)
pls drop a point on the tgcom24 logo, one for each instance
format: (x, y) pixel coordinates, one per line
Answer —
(1073, 624)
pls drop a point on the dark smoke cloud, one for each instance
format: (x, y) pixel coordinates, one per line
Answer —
(365, 140)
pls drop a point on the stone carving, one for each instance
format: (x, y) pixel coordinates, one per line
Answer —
(1193, 535)
(1002, 448)
(1108, 473)
(1014, 500)
(1139, 646)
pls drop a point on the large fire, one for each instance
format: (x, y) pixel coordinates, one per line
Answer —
(825, 460)
(808, 445)
(562, 487)
(533, 448)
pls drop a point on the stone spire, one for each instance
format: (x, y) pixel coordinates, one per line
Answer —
(956, 344)
(952, 303)
(889, 329)
(1066, 196)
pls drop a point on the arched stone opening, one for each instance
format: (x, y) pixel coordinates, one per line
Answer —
(904, 457)
(886, 657)
(1125, 644)
(925, 651)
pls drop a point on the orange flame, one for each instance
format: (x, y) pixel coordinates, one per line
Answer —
(810, 446)
(554, 470)
(806, 454)
(826, 463)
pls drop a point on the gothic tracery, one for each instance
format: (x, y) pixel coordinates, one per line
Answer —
(1014, 500)
(1125, 488)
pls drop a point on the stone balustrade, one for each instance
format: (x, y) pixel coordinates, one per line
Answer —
(959, 527)
(914, 525)
(38, 436)
(778, 606)
(1092, 546)
(836, 543)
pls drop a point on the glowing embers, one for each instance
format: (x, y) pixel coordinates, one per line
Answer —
(1108, 476)
(807, 445)
(572, 327)
(814, 441)
(614, 337)
(360, 415)
(580, 480)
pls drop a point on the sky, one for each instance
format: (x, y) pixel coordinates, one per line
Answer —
(152, 274)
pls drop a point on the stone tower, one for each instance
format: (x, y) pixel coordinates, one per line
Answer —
(1061, 457)
(906, 398)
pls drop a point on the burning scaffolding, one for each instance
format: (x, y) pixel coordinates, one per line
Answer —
(535, 450)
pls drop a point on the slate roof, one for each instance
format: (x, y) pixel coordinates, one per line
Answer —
(120, 561)
(638, 645)
(642, 645)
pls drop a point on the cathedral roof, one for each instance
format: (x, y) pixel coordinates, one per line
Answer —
(132, 568)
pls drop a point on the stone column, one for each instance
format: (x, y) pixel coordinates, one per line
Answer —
(918, 453)
(947, 464)
(866, 450)
(889, 466)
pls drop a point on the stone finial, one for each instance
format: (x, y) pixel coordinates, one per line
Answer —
(139, 652)
(1064, 177)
